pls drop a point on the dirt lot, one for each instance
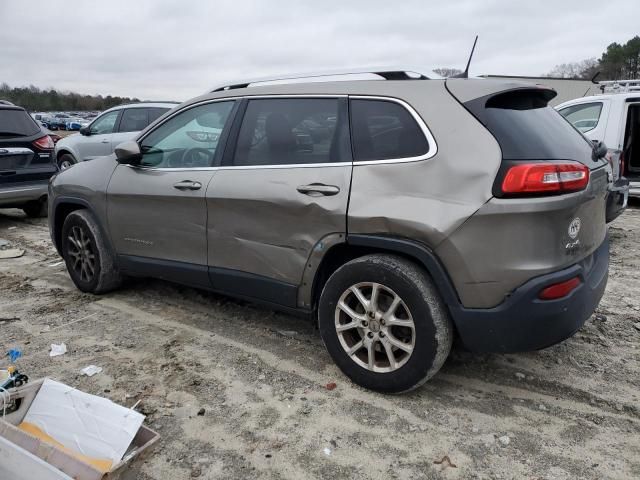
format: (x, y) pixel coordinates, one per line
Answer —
(570, 411)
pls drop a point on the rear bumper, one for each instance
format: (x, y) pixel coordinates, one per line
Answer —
(617, 199)
(634, 189)
(523, 322)
(16, 194)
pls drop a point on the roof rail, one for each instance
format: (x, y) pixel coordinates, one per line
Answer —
(386, 73)
(619, 86)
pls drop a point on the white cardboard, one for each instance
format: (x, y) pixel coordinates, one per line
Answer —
(91, 425)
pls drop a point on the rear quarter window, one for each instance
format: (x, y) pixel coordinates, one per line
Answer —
(384, 130)
(527, 128)
(16, 122)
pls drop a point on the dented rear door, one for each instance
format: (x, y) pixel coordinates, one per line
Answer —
(283, 186)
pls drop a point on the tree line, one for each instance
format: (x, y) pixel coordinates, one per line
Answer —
(618, 62)
(35, 99)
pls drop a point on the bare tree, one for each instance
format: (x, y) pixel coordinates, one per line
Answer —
(447, 71)
(584, 69)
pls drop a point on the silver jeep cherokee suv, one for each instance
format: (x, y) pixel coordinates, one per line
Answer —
(398, 212)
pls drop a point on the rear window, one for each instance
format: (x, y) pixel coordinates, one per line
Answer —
(17, 122)
(155, 113)
(384, 130)
(528, 129)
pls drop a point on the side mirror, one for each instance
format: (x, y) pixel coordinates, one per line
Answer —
(85, 131)
(599, 150)
(128, 152)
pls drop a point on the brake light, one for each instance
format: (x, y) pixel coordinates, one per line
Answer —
(559, 290)
(621, 174)
(44, 143)
(547, 177)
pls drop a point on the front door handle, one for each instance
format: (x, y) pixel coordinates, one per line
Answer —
(105, 141)
(318, 189)
(188, 185)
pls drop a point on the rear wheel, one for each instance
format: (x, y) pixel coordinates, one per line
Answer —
(90, 263)
(65, 161)
(384, 323)
(35, 209)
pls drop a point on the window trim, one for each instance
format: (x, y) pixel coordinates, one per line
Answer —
(585, 105)
(431, 141)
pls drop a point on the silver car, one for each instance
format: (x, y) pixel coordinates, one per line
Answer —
(397, 213)
(111, 128)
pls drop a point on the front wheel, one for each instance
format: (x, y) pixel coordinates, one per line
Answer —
(90, 263)
(384, 323)
(65, 161)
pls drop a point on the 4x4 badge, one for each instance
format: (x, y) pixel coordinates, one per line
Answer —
(574, 227)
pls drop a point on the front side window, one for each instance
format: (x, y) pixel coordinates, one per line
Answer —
(187, 140)
(105, 123)
(134, 120)
(292, 131)
(384, 130)
(584, 117)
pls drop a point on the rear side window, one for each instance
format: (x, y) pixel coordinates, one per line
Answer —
(155, 113)
(584, 117)
(134, 120)
(527, 128)
(292, 131)
(383, 130)
(16, 123)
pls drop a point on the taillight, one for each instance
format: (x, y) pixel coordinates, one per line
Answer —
(559, 290)
(621, 164)
(545, 177)
(44, 143)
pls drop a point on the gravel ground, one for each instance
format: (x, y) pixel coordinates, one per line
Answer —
(237, 391)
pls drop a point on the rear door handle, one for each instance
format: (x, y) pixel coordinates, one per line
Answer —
(318, 189)
(188, 185)
(105, 141)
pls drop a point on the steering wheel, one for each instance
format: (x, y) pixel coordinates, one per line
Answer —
(196, 157)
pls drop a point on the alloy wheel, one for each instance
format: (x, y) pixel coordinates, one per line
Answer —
(81, 251)
(375, 327)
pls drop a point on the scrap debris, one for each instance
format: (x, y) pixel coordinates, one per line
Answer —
(446, 461)
(58, 349)
(91, 370)
(331, 386)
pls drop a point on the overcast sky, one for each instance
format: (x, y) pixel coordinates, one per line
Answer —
(176, 49)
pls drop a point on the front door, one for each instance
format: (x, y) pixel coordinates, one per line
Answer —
(283, 187)
(156, 208)
(98, 142)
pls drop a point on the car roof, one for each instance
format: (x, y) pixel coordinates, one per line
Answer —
(601, 96)
(144, 105)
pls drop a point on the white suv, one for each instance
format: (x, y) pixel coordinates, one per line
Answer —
(108, 130)
(613, 118)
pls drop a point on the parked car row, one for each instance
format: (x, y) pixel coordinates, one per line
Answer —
(65, 120)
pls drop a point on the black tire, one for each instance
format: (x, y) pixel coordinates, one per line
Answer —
(104, 275)
(432, 334)
(65, 161)
(35, 209)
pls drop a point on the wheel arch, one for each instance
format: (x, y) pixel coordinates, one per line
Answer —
(61, 208)
(357, 246)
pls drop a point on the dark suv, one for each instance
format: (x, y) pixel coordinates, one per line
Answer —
(399, 212)
(26, 161)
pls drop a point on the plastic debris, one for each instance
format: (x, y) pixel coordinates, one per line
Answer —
(57, 349)
(504, 440)
(327, 451)
(57, 264)
(91, 370)
(331, 386)
(11, 253)
(14, 354)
